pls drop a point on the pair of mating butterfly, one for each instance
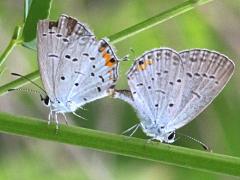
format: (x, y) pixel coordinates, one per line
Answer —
(167, 88)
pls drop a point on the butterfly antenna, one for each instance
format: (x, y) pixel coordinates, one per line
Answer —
(126, 57)
(19, 75)
(204, 146)
(25, 90)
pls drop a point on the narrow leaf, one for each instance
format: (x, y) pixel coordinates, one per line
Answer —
(122, 145)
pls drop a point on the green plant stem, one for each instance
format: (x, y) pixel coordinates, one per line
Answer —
(13, 42)
(122, 145)
(155, 20)
(19, 82)
(151, 22)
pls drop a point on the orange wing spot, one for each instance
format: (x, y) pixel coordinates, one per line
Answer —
(109, 61)
(143, 66)
(106, 56)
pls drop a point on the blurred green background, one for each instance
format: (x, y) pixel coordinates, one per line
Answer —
(215, 26)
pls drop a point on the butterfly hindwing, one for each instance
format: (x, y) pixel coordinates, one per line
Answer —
(206, 73)
(88, 72)
(53, 38)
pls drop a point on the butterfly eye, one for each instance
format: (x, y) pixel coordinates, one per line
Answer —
(45, 100)
(171, 136)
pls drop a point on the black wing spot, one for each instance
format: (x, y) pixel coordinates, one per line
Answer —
(156, 105)
(76, 84)
(212, 77)
(85, 99)
(92, 58)
(216, 82)
(85, 54)
(99, 89)
(92, 74)
(51, 32)
(171, 83)
(140, 84)
(152, 79)
(59, 35)
(140, 62)
(74, 59)
(101, 78)
(44, 34)
(189, 75)
(158, 73)
(62, 78)
(197, 74)
(112, 60)
(93, 66)
(65, 40)
(134, 92)
(67, 56)
(179, 80)
(205, 75)
(196, 94)
(149, 87)
(53, 55)
(166, 71)
(171, 105)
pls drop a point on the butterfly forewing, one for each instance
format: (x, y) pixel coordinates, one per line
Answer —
(206, 73)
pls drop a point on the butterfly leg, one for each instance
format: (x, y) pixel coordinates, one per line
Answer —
(65, 118)
(78, 115)
(134, 128)
(50, 116)
(56, 120)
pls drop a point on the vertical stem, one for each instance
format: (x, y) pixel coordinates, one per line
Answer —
(14, 41)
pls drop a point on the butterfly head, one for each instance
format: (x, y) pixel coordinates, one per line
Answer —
(158, 132)
(169, 137)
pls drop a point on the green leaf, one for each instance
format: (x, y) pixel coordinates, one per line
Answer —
(27, 5)
(38, 10)
(122, 145)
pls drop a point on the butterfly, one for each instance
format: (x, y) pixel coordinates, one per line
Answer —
(75, 68)
(168, 89)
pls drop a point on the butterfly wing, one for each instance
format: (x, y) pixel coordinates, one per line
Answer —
(206, 73)
(53, 38)
(88, 71)
(156, 83)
